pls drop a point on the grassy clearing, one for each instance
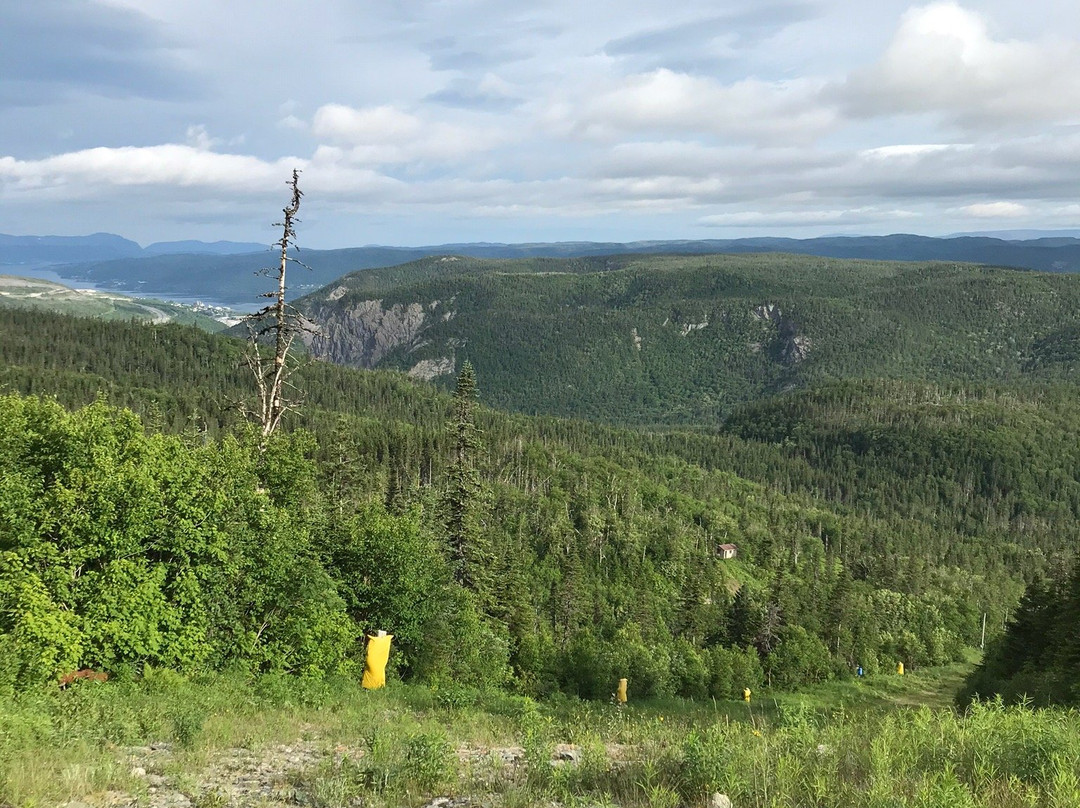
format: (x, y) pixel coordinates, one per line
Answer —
(33, 293)
(843, 745)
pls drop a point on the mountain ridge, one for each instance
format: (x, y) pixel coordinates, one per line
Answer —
(683, 339)
(232, 277)
(59, 250)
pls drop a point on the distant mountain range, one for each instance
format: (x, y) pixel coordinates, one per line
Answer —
(46, 250)
(228, 272)
(1021, 235)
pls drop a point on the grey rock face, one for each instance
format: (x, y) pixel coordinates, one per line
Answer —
(428, 369)
(362, 334)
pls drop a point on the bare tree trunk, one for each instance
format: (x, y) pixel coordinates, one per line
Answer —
(271, 380)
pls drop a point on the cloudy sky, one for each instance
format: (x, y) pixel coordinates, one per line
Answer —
(430, 121)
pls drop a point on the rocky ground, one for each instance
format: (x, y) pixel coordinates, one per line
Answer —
(266, 778)
(230, 777)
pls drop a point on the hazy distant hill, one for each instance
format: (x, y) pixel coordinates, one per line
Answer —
(47, 250)
(64, 249)
(1023, 235)
(684, 339)
(232, 277)
(203, 248)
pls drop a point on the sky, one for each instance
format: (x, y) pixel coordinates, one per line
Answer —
(424, 122)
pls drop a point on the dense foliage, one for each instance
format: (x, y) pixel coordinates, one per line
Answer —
(121, 548)
(1037, 659)
(599, 544)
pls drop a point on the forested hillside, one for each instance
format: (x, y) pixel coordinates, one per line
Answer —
(591, 550)
(687, 339)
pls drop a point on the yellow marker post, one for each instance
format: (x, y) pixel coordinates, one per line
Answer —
(746, 695)
(620, 694)
(378, 653)
(900, 668)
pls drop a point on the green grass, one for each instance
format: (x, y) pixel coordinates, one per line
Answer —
(840, 745)
(928, 687)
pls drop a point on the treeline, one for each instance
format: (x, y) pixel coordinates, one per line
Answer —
(594, 548)
(1037, 659)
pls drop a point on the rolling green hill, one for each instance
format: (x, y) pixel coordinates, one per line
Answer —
(686, 339)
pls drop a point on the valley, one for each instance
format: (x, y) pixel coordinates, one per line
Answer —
(547, 405)
(890, 500)
(683, 340)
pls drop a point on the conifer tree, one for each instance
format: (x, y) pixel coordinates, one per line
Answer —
(463, 490)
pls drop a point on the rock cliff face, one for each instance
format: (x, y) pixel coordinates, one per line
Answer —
(428, 369)
(788, 345)
(361, 334)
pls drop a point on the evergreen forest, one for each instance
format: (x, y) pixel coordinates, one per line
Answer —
(685, 340)
(877, 521)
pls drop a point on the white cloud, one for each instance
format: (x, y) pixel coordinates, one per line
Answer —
(292, 122)
(388, 135)
(383, 124)
(943, 59)
(198, 138)
(688, 158)
(170, 164)
(804, 218)
(564, 116)
(913, 151)
(995, 210)
(664, 100)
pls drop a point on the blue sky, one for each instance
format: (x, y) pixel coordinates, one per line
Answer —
(429, 122)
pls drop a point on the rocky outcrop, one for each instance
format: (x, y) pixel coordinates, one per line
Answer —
(788, 345)
(363, 333)
(428, 369)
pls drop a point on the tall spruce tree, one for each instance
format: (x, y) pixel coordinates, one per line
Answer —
(463, 489)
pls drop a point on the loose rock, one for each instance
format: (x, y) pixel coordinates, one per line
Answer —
(719, 800)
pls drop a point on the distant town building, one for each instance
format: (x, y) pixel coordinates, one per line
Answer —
(727, 551)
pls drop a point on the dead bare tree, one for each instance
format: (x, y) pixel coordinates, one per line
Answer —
(282, 323)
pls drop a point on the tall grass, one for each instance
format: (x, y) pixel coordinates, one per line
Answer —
(403, 745)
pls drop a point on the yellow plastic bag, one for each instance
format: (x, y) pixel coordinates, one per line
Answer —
(378, 652)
